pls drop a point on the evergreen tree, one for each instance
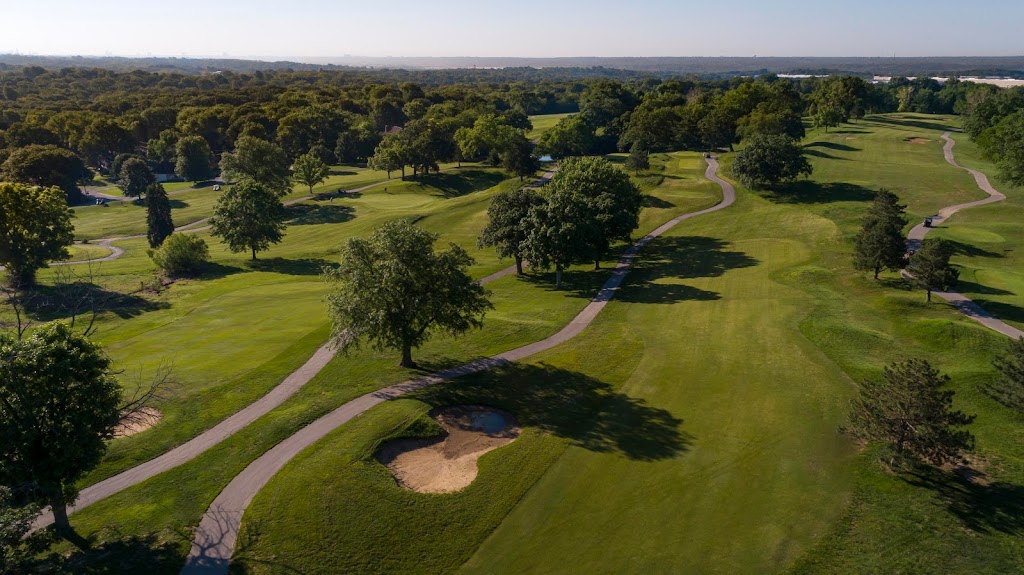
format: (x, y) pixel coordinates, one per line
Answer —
(249, 216)
(912, 414)
(930, 269)
(880, 243)
(638, 159)
(1008, 388)
(158, 215)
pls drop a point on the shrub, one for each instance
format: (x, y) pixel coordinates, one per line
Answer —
(181, 254)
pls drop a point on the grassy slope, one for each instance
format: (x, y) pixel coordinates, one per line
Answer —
(165, 508)
(543, 123)
(731, 330)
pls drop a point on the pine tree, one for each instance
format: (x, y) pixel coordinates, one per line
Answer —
(158, 215)
(911, 412)
(1008, 389)
(880, 243)
(638, 159)
(930, 269)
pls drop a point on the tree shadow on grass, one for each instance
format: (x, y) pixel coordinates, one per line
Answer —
(176, 204)
(850, 131)
(832, 146)
(588, 412)
(912, 123)
(299, 267)
(973, 287)
(306, 214)
(650, 201)
(52, 302)
(811, 192)
(962, 249)
(819, 154)
(124, 554)
(656, 271)
(1001, 310)
(997, 507)
(454, 185)
(342, 173)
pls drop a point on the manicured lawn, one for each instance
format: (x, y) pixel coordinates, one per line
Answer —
(694, 426)
(543, 123)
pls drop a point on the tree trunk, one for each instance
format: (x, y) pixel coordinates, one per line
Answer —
(403, 172)
(519, 265)
(877, 270)
(407, 357)
(60, 514)
(929, 296)
(597, 264)
(254, 254)
(558, 277)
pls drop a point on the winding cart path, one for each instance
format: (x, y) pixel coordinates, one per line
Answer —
(962, 303)
(215, 537)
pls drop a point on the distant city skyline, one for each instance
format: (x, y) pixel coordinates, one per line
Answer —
(318, 29)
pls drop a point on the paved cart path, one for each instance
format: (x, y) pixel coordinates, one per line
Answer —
(215, 537)
(962, 303)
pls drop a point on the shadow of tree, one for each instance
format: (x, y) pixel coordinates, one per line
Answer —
(832, 146)
(454, 185)
(306, 214)
(299, 267)
(850, 131)
(656, 202)
(998, 507)
(914, 123)
(175, 204)
(819, 154)
(1001, 310)
(655, 272)
(124, 554)
(588, 412)
(52, 302)
(342, 173)
(972, 287)
(960, 248)
(811, 192)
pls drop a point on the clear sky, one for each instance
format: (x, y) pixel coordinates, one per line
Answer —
(324, 28)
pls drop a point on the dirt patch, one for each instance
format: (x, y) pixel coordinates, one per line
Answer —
(851, 137)
(147, 417)
(917, 140)
(449, 463)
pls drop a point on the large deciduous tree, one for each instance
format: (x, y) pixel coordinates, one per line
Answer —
(769, 160)
(35, 227)
(930, 268)
(159, 224)
(249, 216)
(572, 136)
(46, 166)
(880, 243)
(395, 291)
(260, 161)
(135, 177)
(310, 171)
(59, 405)
(911, 413)
(193, 159)
(507, 228)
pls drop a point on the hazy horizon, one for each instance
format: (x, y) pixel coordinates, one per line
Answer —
(318, 30)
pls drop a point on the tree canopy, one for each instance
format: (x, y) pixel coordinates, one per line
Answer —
(507, 226)
(35, 228)
(909, 411)
(46, 166)
(1008, 387)
(194, 159)
(880, 243)
(135, 177)
(59, 405)
(249, 216)
(310, 171)
(930, 268)
(159, 224)
(395, 291)
(260, 161)
(769, 160)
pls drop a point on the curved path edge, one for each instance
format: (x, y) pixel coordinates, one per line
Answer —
(217, 532)
(233, 423)
(962, 303)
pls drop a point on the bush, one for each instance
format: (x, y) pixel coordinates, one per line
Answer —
(181, 254)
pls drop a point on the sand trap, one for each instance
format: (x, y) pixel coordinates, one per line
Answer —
(448, 463)
(851, 137)
(146, 418)
(917, 140)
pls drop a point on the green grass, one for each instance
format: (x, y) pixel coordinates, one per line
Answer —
(543, 123)
(694, 426)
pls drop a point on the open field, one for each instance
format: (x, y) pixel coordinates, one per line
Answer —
(544, 123)
(693, 427)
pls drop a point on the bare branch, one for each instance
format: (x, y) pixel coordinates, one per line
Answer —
(137, 408)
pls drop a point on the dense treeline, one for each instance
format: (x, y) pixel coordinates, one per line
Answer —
(54, 123)
(994, 118)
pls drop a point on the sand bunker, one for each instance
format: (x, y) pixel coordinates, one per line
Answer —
(139, 422)
(448, 463)
(917, 140)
